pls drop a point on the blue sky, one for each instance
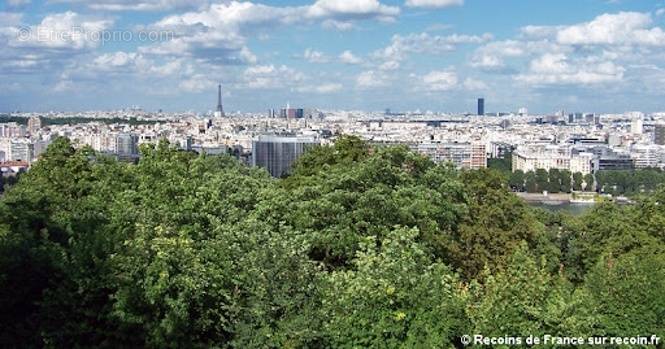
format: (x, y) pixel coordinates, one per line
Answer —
(439, 55)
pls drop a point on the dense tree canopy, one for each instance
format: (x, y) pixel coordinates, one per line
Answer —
(361, 246)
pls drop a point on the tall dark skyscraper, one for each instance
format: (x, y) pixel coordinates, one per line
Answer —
(220, 108)
(481, 106)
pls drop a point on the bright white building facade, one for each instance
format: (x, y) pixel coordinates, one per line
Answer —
(547, 157)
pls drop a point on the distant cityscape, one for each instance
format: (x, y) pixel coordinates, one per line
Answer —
(583, 142)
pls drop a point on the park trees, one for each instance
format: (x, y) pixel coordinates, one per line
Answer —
(361, 246)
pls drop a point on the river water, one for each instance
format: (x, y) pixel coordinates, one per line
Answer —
(574, 209)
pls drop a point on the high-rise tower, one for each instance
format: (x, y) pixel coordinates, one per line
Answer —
(220, 109)
(481, 106)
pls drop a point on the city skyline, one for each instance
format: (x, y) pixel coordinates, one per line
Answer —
(440, 55)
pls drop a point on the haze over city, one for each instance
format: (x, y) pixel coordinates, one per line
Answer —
(439, 55)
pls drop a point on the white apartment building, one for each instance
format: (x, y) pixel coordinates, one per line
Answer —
(637, 123)
(469, 155)
(532, 158)
(20, 149)
(12, 130)
(646, 156)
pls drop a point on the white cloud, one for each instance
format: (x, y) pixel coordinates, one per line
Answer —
(540, 32)
(558, 69)
(136, 5)
(322, 89)
(401, 46)
(132, 63)
(63, 86)
(554, 56)
(434, 3)
(487, 61)
(271, 77)
(624, 28)
(347, 57)
(440, 80)
(474, 85)
(167, 69)
(351, 9)
(337, 25)
(389, 65)
(492, 56)
(314, 56)
(117, 59)
(67, 30)
(218, 32)
(371, 79)
(197, 83)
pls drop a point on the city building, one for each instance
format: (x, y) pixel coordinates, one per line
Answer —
(278, 153)
(292, 113)
(34, 125)
(547, 157)
(466, 155)
(616, 162)
(12, 130)
(645, 156)
(21, 150)
(481, 106)
(126, 145)
(500, 149)
(659, 134)
(637, 124)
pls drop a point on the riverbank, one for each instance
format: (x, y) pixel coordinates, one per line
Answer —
(549, 199)
(557, 202)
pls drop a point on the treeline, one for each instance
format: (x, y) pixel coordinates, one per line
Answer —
(359, 248)
(630, 183)
(552, 181)
(627, 182)
(46, 121)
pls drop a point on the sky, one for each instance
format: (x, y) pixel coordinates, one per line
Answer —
(438, 55)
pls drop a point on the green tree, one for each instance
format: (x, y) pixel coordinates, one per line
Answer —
(531, 182)
(55, 252)
(524, 299)
(351, 200)
(497, 221)
(589, 182)
(542, 179)
(361, 247)
(394, 296)
(578, 181)
(503, 165)
(516, 181)
(629, 292)
(566, 178)
(607, 229)
(554, 185)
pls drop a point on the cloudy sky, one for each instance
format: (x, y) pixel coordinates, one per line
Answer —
(440, 55)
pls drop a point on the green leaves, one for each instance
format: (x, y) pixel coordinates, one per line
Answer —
(524, 299)
(393, 297)
(630, 292)
(361, 247)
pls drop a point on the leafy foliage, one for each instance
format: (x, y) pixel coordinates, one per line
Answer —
(361, 247)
